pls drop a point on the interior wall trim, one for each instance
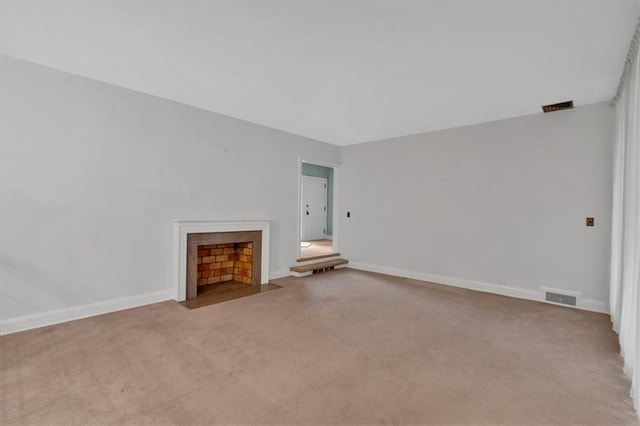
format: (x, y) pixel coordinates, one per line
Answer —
(519, 293)
(280, 273)
(28, 322)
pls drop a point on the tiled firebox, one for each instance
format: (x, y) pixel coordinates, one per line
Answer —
(218, 263)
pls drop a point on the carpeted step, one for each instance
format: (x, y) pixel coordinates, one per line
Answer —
(320, 256)
(304, 270)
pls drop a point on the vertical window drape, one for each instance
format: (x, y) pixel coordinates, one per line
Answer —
(625, 227)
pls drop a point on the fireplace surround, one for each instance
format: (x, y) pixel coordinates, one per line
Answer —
(189, 235)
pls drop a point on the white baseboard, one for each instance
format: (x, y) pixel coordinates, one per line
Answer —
(27, 322)
(281, 273)
(594, 306)
(519, 293)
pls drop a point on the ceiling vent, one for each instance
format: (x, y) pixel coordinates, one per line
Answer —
(558, 106)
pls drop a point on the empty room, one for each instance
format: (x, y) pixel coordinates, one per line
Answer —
(319, 212)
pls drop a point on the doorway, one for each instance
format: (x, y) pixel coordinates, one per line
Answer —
(314, 208)
(316, 214)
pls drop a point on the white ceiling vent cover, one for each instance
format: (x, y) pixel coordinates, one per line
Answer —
(561, 297)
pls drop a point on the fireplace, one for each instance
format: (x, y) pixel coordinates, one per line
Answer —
(208, 253)
(218, 257)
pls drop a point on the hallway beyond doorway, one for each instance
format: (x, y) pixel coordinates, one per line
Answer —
(315, 248)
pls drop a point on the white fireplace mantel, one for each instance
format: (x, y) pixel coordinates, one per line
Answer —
(183, 228)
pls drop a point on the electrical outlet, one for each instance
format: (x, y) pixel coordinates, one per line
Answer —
(590, 221)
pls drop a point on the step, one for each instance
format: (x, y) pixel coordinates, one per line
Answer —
(305, 270)
(320, 256)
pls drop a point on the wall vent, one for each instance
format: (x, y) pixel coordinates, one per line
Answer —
(564, 299)
(561, 296)
(557, 107)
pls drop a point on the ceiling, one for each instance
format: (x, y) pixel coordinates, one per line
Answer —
(340, 72)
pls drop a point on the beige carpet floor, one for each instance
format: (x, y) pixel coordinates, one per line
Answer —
(342, 347)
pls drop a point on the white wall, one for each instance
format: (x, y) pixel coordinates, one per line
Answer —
(503, 203)
(93, 175)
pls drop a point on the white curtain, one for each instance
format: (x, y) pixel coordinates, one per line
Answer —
(625, 226)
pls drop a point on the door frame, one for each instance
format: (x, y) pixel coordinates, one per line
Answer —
(336, 201)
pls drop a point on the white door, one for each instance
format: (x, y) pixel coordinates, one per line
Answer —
(314, 208)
